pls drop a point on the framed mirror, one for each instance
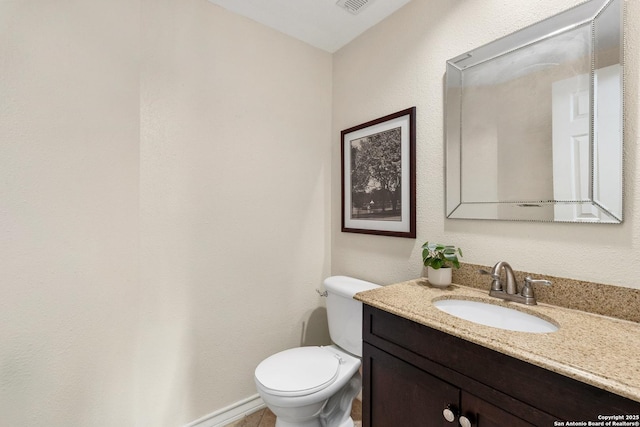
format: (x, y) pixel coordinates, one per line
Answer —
(533, 121)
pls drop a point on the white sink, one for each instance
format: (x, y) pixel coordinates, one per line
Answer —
(495, 316)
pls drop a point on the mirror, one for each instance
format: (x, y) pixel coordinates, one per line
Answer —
(533, 121)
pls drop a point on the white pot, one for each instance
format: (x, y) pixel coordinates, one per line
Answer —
(440, 277)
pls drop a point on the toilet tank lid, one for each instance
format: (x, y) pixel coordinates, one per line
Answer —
(347, 286)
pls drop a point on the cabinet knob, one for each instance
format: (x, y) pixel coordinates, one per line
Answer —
(464, 421)
(448, 414)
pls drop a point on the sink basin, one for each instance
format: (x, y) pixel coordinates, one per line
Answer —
(495, 316)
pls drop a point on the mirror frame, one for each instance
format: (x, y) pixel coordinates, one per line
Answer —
(455, 207)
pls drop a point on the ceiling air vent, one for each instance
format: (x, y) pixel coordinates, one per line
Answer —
(353, 6)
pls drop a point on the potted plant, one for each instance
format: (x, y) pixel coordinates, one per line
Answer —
(439, 260)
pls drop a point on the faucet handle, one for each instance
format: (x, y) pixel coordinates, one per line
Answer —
(496, 285)
(530, 281)
(527, 289)
(488, 273)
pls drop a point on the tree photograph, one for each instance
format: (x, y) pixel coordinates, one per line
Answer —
(376, 172)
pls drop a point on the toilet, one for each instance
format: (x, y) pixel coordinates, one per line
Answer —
(315, 386)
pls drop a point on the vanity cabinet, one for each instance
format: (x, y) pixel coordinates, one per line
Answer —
(411, 373)
(401, 394)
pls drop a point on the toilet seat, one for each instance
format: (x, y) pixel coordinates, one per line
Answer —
(298, 371)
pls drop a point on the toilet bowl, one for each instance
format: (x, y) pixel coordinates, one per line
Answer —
(315, 386)
(296, 385)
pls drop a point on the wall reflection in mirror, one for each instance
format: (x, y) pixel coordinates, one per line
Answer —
(534, 121)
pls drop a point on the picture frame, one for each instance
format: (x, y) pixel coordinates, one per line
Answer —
(379, 176)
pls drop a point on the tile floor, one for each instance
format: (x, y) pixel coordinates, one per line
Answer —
(265, 418)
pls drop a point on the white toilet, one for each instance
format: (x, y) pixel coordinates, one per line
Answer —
(315, 386)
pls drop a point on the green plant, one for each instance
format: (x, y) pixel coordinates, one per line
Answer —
(436, 255)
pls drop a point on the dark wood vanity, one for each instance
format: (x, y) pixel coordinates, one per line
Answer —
(413, 372)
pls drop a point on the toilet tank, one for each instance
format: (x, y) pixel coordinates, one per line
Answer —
(344, 313)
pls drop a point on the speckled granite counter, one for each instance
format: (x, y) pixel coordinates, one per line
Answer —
(597, 350)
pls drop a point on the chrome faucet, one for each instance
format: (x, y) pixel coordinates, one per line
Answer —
(526, 294)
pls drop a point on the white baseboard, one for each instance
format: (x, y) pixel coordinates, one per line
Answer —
(230, 414)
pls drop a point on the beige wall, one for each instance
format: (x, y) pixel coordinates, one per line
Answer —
(164, 208)
(69, 155)
(235, 186)
(401, 63)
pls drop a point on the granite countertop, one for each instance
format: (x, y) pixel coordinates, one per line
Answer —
(595, 349)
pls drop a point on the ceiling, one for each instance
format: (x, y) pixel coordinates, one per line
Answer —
(320, 23)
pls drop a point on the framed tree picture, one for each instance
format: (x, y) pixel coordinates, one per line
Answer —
(379, 176)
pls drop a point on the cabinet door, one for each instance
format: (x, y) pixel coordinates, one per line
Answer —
(399, 394)
(484, 414)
